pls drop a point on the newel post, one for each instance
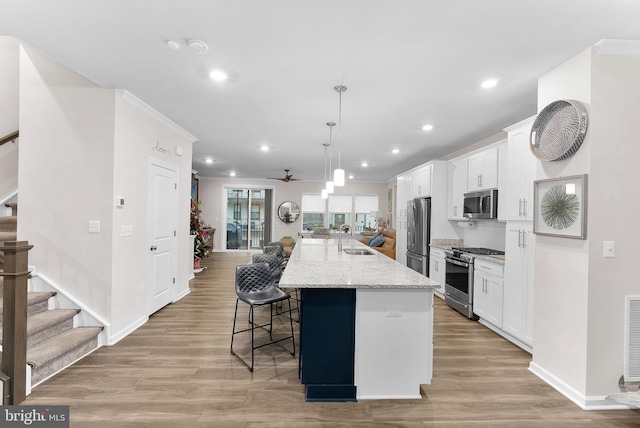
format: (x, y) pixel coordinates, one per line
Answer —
(14, 317)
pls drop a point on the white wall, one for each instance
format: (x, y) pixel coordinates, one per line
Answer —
(82, 145)
(9, 75)
(66, 178)
(138, 134)
(579, 295)
(9, 81)
(211, 197)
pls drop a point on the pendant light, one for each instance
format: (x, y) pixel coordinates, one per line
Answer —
(338, 174)
(324, 193)
(330, 184)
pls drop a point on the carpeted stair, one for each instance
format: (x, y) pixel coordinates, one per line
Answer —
(52, 341)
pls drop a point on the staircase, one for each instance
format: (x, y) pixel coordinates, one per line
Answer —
(53, 342)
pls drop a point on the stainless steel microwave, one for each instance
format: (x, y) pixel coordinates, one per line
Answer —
(481, 205)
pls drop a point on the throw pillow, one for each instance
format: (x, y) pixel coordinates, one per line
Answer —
(377, 240)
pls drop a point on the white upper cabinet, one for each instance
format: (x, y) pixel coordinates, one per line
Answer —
(403, 194)
(520, 173)
(483, 170)
(421, 182)
(457, 188)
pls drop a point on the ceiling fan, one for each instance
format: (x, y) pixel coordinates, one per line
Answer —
(287, 177)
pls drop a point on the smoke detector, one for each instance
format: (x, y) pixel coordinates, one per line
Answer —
(198, 46)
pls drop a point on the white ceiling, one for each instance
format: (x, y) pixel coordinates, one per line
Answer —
(405, 63)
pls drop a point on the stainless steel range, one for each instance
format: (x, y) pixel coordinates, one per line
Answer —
(459, 277)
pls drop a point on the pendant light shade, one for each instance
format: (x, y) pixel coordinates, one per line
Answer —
(330, 187)
(338, 174)
(338, 177)
(325, 192)
(330, 184)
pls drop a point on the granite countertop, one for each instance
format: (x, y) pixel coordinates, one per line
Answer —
(316, 263)
(497, 259)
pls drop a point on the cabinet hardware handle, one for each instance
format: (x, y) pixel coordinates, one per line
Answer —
(525, 207)
(524, 239)
(519, 207)
(519, 239)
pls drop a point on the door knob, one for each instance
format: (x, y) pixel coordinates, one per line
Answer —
(153, 248)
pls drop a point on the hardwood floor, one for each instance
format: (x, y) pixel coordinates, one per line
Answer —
(177, 371)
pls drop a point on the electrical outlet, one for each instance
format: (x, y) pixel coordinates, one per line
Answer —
(126, 230)
(141, 289)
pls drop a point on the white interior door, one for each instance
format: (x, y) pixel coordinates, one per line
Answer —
(162, 216)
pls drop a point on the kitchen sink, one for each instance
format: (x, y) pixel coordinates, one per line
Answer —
(358, 252)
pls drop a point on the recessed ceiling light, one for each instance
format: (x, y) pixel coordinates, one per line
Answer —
(218, 75)
(198, 46)
(264, 148)
(232, 173)
(350, 176)
(364, 164)
(209, 160)
(171, 44)
(490, 83)
(395, 151)
(427, 127)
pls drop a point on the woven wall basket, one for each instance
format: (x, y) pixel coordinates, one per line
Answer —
(559, 130)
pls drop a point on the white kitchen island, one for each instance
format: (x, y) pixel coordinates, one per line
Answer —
(366, 322)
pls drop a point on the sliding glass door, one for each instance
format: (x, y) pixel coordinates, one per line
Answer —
(248, 218)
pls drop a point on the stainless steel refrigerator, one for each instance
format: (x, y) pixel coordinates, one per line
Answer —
(418, 234)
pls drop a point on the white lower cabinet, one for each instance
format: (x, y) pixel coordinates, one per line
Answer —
(488, 284)
(437, 269)
(518, 282)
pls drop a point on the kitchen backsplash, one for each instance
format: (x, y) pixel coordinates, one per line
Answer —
(485, 233)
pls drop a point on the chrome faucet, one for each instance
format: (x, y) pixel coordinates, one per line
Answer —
(340, 236)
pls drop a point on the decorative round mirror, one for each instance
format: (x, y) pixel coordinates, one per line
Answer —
(288, 211)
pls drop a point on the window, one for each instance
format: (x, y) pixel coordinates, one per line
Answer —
(340, 208)
(313, 209)
(248, 218)
(366, 208)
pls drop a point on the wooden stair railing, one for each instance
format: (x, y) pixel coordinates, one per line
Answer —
(9, 137)
(14, 318)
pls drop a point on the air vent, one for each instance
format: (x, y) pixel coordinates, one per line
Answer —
(632, 339)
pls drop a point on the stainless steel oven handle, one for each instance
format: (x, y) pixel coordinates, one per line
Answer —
(457, 263)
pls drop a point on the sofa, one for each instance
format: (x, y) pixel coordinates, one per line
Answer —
(388, 247)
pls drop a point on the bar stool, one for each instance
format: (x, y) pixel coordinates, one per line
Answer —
(278, 250)
(255, 287)
(273, 262)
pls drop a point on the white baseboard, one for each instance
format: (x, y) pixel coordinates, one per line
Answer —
(112, 340)
(182, 294)
(585, 402)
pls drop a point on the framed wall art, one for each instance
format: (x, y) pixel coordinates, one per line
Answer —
(560, 207)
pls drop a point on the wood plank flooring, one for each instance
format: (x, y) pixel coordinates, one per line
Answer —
(176, 371)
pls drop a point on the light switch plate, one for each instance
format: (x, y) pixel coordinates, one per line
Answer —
(126, 230)
(94, 226)
(609, 249)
